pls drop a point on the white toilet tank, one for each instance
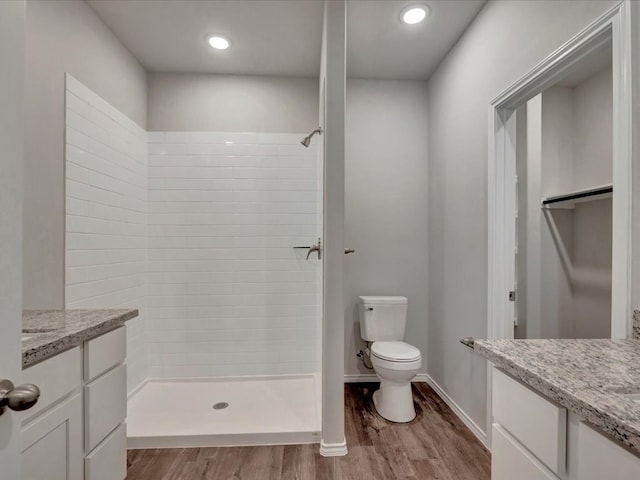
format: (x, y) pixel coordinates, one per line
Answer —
(382, 319)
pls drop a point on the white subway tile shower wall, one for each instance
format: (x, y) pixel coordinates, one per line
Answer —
(198, 235)
(227, 293)
(106, 188)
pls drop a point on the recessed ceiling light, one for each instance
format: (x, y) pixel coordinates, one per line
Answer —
(415, 14)
(218, 42)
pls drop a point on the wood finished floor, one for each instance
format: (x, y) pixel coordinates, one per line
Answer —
(436, 445)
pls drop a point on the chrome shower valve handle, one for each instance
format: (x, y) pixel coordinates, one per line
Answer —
(316, 248)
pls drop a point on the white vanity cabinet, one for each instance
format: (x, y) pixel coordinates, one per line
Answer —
(529, 433)
(533, 438)
(510, 459)
(52, 429)
(52, 445)
(105, 406)
(76, 430)
(600, 457)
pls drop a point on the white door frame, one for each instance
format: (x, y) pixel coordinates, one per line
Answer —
(12, 17)
(617, 25)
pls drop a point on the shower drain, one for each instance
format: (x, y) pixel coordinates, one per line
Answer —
(220, 405)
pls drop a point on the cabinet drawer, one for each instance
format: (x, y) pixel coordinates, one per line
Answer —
(104, 352)
(52, 444)
(510, 460)
(600, 457)
(537, 423)
(105, 405)
(56, 377)
(109, 460)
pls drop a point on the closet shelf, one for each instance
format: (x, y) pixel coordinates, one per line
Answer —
(568, 200)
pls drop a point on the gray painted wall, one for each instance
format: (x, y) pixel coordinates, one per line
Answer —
(386, 204)
(231, 103)
(593, 130)
(63, 36)
(481, 65)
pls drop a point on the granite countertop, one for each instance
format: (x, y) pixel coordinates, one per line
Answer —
(588, 377)
(46, 333)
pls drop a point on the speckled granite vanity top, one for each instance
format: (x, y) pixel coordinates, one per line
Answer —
(588, 377)
(49, 332)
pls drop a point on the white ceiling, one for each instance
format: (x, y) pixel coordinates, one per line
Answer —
(269, 37)
(379, 45)
(283, 37)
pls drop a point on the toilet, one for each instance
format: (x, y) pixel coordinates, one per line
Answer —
(382, 325)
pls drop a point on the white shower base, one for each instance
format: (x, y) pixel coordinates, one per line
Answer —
(262, 411)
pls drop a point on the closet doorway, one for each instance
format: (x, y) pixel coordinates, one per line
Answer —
(560, 190)
(564, 191)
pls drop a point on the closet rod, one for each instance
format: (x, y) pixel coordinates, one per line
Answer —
(578, 195)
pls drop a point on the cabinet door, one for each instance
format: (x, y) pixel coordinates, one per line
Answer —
(600, 457)
(105, 403)
(537, 423)
(57, 377)
(52, 444)
(510, 460)
(109, 460)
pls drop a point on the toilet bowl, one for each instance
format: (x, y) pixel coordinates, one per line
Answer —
(396, 363)
(382, 326)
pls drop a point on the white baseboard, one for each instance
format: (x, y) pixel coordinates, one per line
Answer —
(372, 377)
(333, 449)
(461, 414)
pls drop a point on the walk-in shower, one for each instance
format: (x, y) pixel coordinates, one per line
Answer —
(234, 308)
(197, 230)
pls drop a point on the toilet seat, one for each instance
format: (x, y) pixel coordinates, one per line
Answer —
(400, 352)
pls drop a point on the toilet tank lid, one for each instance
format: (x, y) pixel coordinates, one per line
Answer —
(388, 300)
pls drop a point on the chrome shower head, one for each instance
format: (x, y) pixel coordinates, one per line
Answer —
(306, 141)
